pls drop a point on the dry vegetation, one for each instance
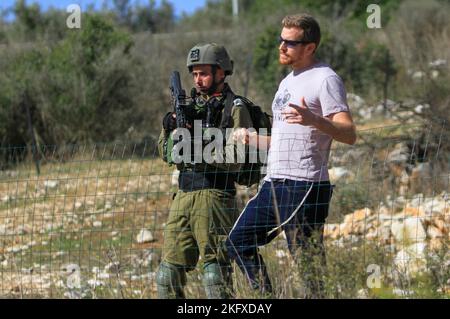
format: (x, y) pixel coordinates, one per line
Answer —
(87, 210)
(72, 231)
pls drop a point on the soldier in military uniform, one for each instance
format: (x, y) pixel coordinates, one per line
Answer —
(203, 210)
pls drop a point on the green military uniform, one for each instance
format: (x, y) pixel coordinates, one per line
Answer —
(202, 213)
(193, 212)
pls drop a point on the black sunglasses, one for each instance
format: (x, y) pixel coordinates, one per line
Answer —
(291, 43)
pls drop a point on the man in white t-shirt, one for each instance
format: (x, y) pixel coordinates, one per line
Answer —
(309, 111)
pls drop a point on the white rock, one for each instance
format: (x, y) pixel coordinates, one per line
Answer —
(416, 201)
(365, 113)
(379, 109)
(103, 275)
(355, 100)
(372, 234)
(438, 63)
(50, 184)
(411, 260)
(410, 230)
(27, 270)
(337, 173)
(97, 224)
(59, 253)
(13, 249)
(331, 230)
(363, 294)
(148, 260)
(418, 75)
(400, 154)
(113, 266)
(144, 236)
(394, 204)
(339, 243)
(385, 234)
(95, 283)
(22, 230)
(434, 232)
(434, 206)
(419, 109)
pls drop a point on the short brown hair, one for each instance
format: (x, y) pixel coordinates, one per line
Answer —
(309, 25)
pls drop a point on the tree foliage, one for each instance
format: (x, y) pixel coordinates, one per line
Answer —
(75, 90)
(109, 80)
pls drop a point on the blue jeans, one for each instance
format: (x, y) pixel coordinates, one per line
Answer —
(297, 207)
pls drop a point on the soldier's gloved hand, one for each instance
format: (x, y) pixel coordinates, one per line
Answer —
(169, 121)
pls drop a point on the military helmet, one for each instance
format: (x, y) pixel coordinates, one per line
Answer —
(210, 53)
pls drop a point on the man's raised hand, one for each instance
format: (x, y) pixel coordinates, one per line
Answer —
(299, 114)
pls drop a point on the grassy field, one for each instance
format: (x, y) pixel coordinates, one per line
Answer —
(87, 213)
(71, 232)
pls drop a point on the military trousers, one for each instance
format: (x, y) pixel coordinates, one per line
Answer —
(198, 225)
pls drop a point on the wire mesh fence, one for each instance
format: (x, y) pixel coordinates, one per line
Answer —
(90, 224)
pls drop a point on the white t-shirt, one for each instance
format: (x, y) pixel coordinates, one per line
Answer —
(301, 152)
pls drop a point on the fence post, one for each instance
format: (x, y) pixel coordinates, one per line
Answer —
(34, 148)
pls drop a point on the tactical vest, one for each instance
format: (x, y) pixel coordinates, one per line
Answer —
(197, 176)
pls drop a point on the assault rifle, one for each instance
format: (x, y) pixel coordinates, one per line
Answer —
(178, 99)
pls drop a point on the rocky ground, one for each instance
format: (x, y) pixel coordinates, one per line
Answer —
(94, 229)
(412, 234)
(82, 221)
